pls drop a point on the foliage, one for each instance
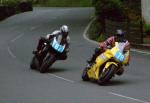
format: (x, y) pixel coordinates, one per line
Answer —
(95, 30)
(64, 3)
(13, 2)
(118, 11)
(146, 28)
(109, 8)
(11, 7)
(10, 2)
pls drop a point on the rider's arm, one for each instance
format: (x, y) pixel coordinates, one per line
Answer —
(49, 36)
(110, 41)
(127, 58)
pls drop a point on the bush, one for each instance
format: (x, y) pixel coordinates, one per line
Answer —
(109, 8)
(11, 7)
(119, 11)
(25, 6)
(146, 28)
(6, 11)
(10, 2)
(63, 3)
(13, 2)
(17, 5)
(95, 30)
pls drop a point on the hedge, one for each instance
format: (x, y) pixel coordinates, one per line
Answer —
(11, 7)
(118, 11)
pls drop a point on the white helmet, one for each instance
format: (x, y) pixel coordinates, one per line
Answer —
(64, 29)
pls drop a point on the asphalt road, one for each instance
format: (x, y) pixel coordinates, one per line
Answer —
(19, 35)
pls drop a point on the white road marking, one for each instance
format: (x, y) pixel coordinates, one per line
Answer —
(17, 37)
(85, 33)
(140, 51)
(13, 40)
(34, 27)
(96, 43)
(62, 78)
(10, 52)
(129, 98)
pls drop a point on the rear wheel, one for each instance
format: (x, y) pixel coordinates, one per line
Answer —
(34, 63)
(47, 62)
(107, 74)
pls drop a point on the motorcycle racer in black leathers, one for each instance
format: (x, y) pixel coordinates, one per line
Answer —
(61, 35)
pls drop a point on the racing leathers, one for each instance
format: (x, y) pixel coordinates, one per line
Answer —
(60, 38)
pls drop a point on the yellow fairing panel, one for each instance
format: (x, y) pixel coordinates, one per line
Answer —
(94, 71)
(110, 63)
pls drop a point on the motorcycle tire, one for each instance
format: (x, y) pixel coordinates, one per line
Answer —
(107, 75)
(85, 75)
(47, 62)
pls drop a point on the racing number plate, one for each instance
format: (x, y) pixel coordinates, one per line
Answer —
(119, 56)
(57, 46)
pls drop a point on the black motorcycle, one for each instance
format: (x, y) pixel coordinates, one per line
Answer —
(49, 53)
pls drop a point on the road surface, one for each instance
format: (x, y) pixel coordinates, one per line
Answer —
(19, 35)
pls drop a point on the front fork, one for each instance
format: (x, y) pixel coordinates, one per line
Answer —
(42, 54)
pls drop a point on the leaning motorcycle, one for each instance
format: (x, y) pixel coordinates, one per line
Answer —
(116, 57)
(49, 53)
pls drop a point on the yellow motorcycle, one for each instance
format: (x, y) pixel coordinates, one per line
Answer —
(107, 64)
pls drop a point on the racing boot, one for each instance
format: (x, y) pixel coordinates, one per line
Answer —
(94, 56)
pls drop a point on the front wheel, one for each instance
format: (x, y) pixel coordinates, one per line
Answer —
(34, 63)
(47, 62)
(85, 75)
(107, 74)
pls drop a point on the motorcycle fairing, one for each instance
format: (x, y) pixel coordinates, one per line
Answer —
(57, 46)
(108, 64)
(115, 52)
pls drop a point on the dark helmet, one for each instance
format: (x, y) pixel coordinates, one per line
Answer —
(64, 29)
(120, 35)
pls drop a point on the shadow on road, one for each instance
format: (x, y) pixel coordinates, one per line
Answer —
(119, 82)
(56, 70)
(53, 70)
